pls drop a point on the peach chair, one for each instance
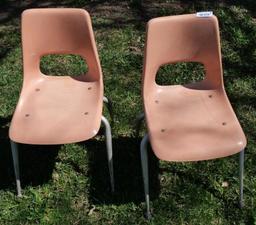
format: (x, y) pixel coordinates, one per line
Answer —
(58, 109)
(189, 122)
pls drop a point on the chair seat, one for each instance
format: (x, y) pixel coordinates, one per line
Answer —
(57, 110)
(188, 123)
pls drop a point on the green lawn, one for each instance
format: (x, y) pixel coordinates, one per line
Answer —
(69, 184)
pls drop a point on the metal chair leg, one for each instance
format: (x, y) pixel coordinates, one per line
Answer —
(241, 177)
(144, 164)
(15, 157)
(138, 122)
(109, 151)
(109, 107)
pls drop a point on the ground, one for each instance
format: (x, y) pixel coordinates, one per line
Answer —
(69, 184)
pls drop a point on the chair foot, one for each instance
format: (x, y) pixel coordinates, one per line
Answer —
(148, 215)
(109, 151)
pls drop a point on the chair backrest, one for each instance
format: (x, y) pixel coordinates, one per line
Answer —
(58, 31)
(183, 38)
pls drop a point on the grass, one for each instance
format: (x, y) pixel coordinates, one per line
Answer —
(69, 184)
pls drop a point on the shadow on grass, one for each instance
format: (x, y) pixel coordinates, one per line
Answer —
(127, 172)
(36, 161)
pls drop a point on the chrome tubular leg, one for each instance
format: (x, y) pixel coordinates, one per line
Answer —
(144, 164)
(109, 150)
(109, 107)
(15, 157)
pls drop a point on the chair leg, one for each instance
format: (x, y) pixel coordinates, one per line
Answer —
(138, 122)
(144, 164)
(109, 107)
(15, 157)
(109, 151)
(241, 177)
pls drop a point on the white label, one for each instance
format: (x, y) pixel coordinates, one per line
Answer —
(204, 14)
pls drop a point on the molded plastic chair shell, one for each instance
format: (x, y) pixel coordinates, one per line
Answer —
(195, 121)
(58, 109)
(52, 109)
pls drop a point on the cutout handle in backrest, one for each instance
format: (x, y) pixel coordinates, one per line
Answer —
(58, 31)
(185, 38)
